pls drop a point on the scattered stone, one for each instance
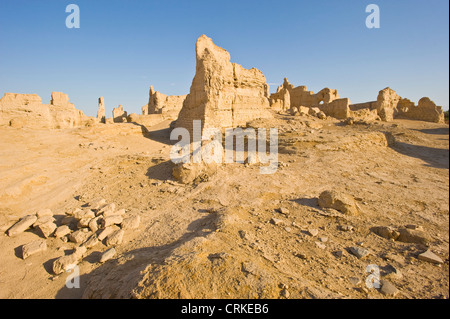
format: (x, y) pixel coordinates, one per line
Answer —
(67, 220)
(65, 263)
(91, 242)
(93, 224)
(284, 293)
(388, 289)
(276, 221)
(47, 229)
(62, 231)
(115, 238)
(86, 213)
(44, 212)
(43, 220)
(386, 232)
(284, 211)
(338, 253)
(413, 236)
(131, 222)
(107, 210)
(106, 232)
(346, 228)
(359, 252)
(22, 225)
(78, 236)
(111, 220)
(320, 245)
(313, 232)
(354, 281)
(414, 227)
(323, 239)
(33, 248)
(339, 201)
(97, 203)
(430, 257)
(392, 272)
(288, 229)
(107, 255)
(84, 222)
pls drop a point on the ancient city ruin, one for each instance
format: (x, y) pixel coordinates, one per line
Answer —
(357, 184)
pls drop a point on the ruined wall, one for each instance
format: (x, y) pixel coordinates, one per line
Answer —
(337, 108)
(223, 94)
(119, 115)
(158, 103)
(27, 110)
(372, 105)
(426, 110)
(101, 117)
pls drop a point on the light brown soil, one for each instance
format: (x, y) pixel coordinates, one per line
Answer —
(215, 239)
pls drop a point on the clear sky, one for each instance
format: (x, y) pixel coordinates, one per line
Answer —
(122, 47)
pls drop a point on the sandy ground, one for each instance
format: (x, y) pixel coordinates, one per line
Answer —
(215, 239)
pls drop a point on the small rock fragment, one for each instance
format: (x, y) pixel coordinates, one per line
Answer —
(43, 220)
(65, 263)
(22, 225)
(94, 224)
(313, 232)
(44, 212)
(91, 242)
(340, 201)
(346, 228)
(388, 289)
(115, 238)
(131, 222)
(33, 248)
(111, 220)
(106, 232)
(359, 252)
(86, 213)
(276, 221)
(283, 210)
(62, 231)
(386, 232)
(107, 255)
(79, 236)
(355, 281)
(47, 229)
(97, 203)
(430, 257)
(84, 222)
(320, 245)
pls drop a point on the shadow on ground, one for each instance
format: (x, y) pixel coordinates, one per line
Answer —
(434, 157)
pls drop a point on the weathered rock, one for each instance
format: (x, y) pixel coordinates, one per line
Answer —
(110, 220)
(413, 236)
(65, 263)
(47, 229)
(107, 255)
(22, 225)
(359, 251)
(62, 231)
(386, 232)
(91, 241)
(107, 231)
(44, 212)
(223, 94)
(339, 201)
(94, 224)
(276, 221)
(131, 222)
(97, 203)
(85, 213)
(84, 222)
(107, 210)
(388, 289)
(43, 220)
(187, 173)
(313, 232)
(430, 257)
(33, 248)
(115, 238)
(79, 236)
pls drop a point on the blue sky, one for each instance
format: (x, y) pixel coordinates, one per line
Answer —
(122, 47)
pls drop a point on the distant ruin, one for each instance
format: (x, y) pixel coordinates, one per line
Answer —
(168, 105)
(27, 110)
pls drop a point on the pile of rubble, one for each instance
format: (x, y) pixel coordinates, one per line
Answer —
(86, 227)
